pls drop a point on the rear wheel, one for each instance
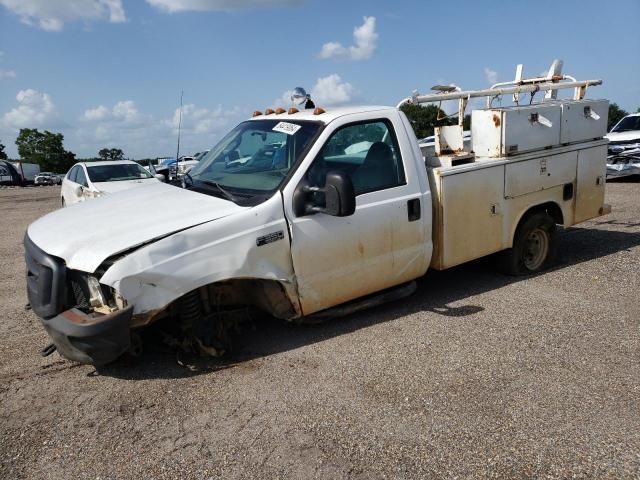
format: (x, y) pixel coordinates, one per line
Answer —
(534, 246)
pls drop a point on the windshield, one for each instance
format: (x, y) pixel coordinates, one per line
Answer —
(254, 158)
(628, 124)
(117, 172)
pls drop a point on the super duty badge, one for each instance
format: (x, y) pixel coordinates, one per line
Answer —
(269, 238)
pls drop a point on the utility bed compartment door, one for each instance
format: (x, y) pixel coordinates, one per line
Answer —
(584, 120)
(470, 217)
(539, 174)
(592, 168)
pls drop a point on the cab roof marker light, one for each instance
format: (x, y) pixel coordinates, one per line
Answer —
(257, 113)
(280, 110)
(293, 110)
(268, 111)
(318, 111)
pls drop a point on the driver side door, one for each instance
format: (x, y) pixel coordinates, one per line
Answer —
(337, 259)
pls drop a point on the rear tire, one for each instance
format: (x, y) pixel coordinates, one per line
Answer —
(534, 246)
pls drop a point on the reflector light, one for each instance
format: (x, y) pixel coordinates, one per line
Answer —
(318, 111)
(280, 110)
(293, 110)
(257, 113)
(268, 111)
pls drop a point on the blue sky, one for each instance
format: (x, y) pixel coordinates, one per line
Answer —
(108, 73)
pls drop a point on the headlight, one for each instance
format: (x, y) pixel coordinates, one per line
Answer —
(94, 193)
(96, 297)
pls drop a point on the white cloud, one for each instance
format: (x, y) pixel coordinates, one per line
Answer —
(173, 6)
(99, 113)
(201, 120)
(490, 75)
(123, 112)
(126, 112)
(35, 109)
(365, 39)
(4, 74)
(51, 15)
(283, 100)
(331, 90)
(141, 134)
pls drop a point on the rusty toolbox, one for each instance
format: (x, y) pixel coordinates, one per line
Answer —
(498, 132)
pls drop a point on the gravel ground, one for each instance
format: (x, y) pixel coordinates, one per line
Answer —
(476, 375)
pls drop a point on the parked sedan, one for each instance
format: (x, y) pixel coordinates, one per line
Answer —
(47, 178)
(94, 179)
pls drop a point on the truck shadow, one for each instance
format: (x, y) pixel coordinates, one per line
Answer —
(436, 292)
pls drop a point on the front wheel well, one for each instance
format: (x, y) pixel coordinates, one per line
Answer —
(269, 296)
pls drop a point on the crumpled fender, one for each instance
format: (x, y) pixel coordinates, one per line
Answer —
(252, 243)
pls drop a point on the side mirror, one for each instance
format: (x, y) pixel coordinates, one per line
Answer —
(77, 190)
(160, 177)
(339, 197)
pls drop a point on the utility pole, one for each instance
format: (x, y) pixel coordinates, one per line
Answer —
(179, 126)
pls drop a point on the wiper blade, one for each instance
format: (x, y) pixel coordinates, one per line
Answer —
(187, 175)
(228, 196)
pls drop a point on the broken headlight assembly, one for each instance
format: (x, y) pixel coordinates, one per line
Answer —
(96, 296)
(87, 293)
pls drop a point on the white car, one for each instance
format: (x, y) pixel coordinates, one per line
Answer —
(47, 178)
(95, 179)
(624, 147)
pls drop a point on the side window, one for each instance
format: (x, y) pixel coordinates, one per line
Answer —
(80, 177)
(367, 151)
(72, 174)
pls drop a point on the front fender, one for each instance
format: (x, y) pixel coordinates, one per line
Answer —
(253, 243)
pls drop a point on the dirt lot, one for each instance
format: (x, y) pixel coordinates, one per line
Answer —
(476, 375)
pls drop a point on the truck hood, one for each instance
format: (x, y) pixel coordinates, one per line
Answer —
(87, 233)
(113, 187)
(623, 136)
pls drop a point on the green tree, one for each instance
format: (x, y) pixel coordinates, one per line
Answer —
(111, 154)
(425, 119)
(3, 154)
(615, 115)
(45, 149)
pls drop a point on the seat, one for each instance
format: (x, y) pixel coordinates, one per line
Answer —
(377, 171)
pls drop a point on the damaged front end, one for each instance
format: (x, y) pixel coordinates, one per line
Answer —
(87, 322)
(91, 323)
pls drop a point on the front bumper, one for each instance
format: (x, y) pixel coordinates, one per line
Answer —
(83, 337)
(90, 338)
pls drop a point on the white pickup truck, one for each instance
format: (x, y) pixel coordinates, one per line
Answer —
(328, 207)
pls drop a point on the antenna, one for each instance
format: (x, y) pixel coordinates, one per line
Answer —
(179, 127)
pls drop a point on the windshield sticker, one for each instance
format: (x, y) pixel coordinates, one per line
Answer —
(288, 128)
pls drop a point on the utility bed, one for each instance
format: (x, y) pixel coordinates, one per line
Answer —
(550, 153)
(477, 204)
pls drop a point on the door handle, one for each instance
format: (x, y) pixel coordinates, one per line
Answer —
(413, 209)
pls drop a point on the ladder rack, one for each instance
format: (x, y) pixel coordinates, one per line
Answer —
(553, 82)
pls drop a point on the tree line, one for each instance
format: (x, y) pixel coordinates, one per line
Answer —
(47, 150)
